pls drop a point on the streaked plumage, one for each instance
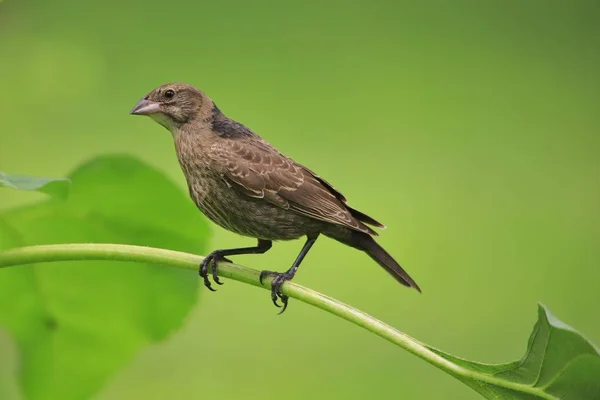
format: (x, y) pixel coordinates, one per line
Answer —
(245, 185)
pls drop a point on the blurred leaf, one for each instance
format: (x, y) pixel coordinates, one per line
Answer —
(58, 187)
(559, 363)
(77, 323)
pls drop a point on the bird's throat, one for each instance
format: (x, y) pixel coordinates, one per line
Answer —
(166, 121)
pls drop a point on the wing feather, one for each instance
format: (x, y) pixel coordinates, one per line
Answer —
(260, 171)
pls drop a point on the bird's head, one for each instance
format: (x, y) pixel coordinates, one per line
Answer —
(173, 105)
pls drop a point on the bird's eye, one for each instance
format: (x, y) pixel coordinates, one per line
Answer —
(169, 94)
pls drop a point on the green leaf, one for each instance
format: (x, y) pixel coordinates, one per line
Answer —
(77, 323)
(559, 363)
(57, 187)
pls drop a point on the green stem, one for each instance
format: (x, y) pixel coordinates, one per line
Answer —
(116, 252)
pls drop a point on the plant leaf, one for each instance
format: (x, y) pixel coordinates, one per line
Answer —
(57, 187)
(559, 363)
(77, 323)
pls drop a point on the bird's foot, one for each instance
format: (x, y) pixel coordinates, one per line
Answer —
(213, 258)
(276, 284)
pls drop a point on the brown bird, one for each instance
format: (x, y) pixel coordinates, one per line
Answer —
(245, 185)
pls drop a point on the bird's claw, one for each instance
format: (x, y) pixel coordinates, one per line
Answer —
(213, 258)
(276, 284)
(264, 274)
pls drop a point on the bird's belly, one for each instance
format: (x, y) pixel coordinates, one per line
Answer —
(257, 218)
(248, 216)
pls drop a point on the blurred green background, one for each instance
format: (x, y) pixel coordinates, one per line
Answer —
(471, 129)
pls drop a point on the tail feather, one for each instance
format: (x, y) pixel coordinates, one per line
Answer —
(366, 243)
(383, 258)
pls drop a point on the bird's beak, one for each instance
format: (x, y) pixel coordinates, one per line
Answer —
(145, 107)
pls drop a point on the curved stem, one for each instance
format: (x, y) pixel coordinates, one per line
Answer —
(116, 252)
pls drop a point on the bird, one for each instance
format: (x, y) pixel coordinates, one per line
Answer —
(245, 185)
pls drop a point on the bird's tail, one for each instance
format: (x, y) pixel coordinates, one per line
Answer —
(366, 243)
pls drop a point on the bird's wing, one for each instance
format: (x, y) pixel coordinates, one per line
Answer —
(260, 171)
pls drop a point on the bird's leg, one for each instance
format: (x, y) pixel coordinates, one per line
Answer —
(280, 278)
(220, 255)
